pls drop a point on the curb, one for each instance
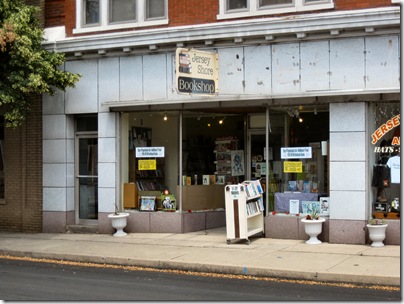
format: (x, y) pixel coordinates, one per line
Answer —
(219, 269)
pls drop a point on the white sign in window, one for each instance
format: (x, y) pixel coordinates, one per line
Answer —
(296, 152)
(143, 152)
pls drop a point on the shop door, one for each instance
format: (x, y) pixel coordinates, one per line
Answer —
(86, 179)
(255, 158)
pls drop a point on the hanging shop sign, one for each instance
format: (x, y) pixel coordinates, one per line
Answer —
(296, 152)
(394, 144)
(292, 167)
(149, 152)
(196, 72)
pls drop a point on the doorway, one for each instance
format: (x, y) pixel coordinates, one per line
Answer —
(86, 179)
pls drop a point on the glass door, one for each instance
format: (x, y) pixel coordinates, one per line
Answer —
(256, 162)
(86, 178)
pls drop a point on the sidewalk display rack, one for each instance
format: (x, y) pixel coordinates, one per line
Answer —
(244, 210)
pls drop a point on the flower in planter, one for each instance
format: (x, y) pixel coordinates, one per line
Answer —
(376, 221)
(313, 216)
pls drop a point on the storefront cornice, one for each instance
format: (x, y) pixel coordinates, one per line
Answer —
(240, 101)
(266, 30)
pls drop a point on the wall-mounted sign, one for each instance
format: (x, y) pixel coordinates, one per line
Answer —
(147, 164)
(296, 152)
(149, 152)
(292, 167)
(386, 127)
(196, 71)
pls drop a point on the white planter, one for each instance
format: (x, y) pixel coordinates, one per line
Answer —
(313, 228)
(118, 221)
(377, 234)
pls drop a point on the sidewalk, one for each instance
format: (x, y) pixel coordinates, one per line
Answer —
(207, 251)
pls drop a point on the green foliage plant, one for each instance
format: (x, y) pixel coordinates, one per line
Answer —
(26, 68)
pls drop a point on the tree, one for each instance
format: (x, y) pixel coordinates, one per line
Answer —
(25, 67)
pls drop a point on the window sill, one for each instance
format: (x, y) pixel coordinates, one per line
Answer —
(92, 29)
(275, 11)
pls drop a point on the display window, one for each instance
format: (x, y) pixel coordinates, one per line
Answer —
(188, 157)
(385, 157)
(297, 160)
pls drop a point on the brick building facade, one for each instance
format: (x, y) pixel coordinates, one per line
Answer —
(270, 65)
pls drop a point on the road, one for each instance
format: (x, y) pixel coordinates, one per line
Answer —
(30, 280)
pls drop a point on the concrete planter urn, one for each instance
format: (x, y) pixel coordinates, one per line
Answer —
(377, 234)
(313, 228)
(119, 221)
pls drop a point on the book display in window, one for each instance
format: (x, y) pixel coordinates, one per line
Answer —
(147, 203)
(244, 210)
(229, 161)
(150, 180)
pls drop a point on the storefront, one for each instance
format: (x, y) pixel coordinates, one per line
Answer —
(217, 149)
(296, 115)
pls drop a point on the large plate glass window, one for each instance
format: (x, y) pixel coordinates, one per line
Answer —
(122, 10)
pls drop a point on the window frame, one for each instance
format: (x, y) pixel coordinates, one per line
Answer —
(105, 25)
(255, 10)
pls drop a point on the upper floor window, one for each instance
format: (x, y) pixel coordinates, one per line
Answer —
(246, 8)
(100, 15)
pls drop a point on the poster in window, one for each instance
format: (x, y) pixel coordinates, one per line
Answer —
(142, 137)
(294, 206)
(147, 203)
(237, 162)
(325, 205)
(310, 207)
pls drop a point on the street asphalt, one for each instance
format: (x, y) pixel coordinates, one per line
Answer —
(208, 251)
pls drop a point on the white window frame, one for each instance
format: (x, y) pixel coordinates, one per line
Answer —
(254, 10)
(104, 24)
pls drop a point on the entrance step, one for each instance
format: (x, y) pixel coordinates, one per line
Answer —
(82, 229)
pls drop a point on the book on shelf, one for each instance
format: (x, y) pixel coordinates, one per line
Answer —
(253, 188)
(292, 185)
(253, 207)
(306, 186)
(205, 180)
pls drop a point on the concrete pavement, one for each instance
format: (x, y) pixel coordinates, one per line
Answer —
(207, 251)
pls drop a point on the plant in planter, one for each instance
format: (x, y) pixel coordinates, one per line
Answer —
(313, 226)
(377, 231)
(118, 221)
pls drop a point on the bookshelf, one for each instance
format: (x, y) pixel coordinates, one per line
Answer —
(150, 180)
(244, 210)
(223, 159)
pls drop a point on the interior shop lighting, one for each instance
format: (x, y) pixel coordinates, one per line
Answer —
(222, 120)
(165, 116)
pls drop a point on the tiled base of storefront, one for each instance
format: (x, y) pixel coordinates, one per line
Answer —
(334, 231)
(277, 227)
(170, 222)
